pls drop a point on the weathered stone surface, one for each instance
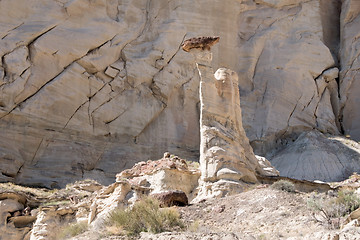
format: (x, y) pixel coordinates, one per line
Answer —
(266, 168)
(281, 55)
(48, 224)
(225, 152)
(170, 173)
(350, 63)
(170, 179)
(314, 156)
(226, 157)
(10, 208)
(88, 88)
(171, 198)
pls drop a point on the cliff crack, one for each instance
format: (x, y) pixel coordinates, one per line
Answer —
(75, 113)
(37, 150)
(292, 112)
(110, 121)
(12, 29)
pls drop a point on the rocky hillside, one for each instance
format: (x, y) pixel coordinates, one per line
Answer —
(83, 210)
(89, 87)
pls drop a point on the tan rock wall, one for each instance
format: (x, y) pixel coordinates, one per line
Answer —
(350, 62)
(87, 88)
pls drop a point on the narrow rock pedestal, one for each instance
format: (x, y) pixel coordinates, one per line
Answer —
(227, 161)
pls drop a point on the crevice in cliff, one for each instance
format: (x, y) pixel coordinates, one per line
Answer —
(19, 169)
(264, 94)
(29, 45)
(75, 113)
(255, 69)
(308, 104)
(12, 29)
(8, 175)
(43, 86)
(141, 31)
(36, 152)
(4, 66)
(292, 112)
(148, 124)
(110, 121)
(153, 87)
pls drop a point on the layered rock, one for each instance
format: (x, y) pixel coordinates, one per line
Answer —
(284, 47)
(226, 157)
(169, 179)
(350, 65)
(91, 87)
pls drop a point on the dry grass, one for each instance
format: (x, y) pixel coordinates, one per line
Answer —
(146, 216)
(73, 230)
(330, 210)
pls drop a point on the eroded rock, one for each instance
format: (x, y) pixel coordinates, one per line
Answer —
(171, 198)
(226, 157)
(314, 156)
(87, 83)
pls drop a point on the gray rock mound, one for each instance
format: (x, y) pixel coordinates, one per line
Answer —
(314, 156)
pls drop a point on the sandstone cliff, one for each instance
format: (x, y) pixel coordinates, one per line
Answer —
(88, 88)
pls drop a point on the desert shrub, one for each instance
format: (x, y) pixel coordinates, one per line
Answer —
(194, 226)
(146, 216)
(73, 229)
(193, 165)
(331, 210)
(284, 185)
(349, 199)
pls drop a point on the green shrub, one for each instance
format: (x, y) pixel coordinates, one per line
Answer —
(349, 199)
(146, 216)
(284, 185)
(73, 229)
(331, 209)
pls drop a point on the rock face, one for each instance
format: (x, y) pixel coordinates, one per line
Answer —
(88, 88)
(350, 63)
(284, 49)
